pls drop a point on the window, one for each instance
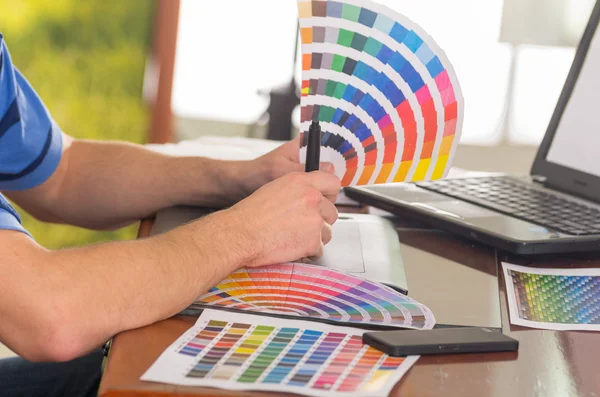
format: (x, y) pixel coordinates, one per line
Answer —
(539, 78)
(228, 51)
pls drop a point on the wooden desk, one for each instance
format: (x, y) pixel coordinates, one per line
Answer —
(548, 363)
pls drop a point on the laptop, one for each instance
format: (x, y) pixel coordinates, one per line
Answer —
(554, 209)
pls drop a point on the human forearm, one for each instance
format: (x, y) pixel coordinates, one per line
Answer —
(106, 185)
(77, 299)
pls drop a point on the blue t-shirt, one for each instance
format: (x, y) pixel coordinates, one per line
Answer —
(30, 141)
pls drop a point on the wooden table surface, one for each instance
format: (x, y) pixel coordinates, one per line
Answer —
(548, 363)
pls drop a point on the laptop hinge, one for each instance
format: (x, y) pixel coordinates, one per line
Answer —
(539, 178)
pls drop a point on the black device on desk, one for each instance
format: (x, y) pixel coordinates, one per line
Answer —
(440, 341)
(554, 209)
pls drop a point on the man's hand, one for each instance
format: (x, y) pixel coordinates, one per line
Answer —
(275, 164)
(289, 218)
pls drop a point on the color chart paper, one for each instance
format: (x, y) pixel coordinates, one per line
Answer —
(560, 299)
(238, 351)
(316, 292)
(386, 96)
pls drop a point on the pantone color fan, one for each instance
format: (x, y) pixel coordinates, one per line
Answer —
(314, 292)
(386, 96)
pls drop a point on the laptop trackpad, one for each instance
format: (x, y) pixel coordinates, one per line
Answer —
(344, 252)
(455, 208)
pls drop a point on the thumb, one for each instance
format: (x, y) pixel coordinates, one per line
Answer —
(327, 167)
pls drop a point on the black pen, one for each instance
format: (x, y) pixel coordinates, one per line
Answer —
(396, 288)
(313, 148)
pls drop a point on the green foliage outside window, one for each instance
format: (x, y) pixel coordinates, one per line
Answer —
(86, 59)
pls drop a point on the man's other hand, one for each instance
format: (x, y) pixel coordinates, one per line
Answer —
(275, 164)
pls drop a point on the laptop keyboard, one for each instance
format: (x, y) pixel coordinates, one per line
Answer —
(512, 197)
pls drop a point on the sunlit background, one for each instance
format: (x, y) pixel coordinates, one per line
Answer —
(86, 59)
(511, 58)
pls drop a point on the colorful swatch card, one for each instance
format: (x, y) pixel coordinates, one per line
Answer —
(316, 292)
(560, 299)
(386, 96)
(238, 351)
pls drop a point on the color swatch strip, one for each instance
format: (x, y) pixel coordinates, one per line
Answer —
(266, 357)
(296, 289)
(385, 93)
(554, 298)
(250, 352)
(292, 357)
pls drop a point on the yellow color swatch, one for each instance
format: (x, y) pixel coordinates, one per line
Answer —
(438, 172)
(377, 381)
(421, 171)
(234, 292)
(244, 350)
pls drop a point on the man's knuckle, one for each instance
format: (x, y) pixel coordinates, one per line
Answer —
(315, 246)
(318, 221)
(312, 197)
(335, 213)
(336, 182)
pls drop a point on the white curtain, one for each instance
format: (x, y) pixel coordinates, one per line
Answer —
(544, 22)
(542, 35)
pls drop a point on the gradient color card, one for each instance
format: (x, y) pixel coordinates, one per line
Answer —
(297, 289)
(560, 299)
(387, 97)
(238, 351)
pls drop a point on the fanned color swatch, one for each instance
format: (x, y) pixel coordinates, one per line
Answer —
(314, 292)
(386, 96)
(247, 352)
(563, 299)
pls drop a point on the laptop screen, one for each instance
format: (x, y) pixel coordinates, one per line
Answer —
(576, 143)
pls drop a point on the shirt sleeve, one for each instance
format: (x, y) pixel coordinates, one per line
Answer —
(9, 218)
(30, 141)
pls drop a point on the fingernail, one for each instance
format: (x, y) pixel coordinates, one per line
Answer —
(327, 167)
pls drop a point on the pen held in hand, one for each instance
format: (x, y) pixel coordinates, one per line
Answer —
(313, 148)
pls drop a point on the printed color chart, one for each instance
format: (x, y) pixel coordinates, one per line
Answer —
(296, 289)
(563, 299)
(248, 352)
(386, 96)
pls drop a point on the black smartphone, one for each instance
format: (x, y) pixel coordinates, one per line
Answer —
(440, 341)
